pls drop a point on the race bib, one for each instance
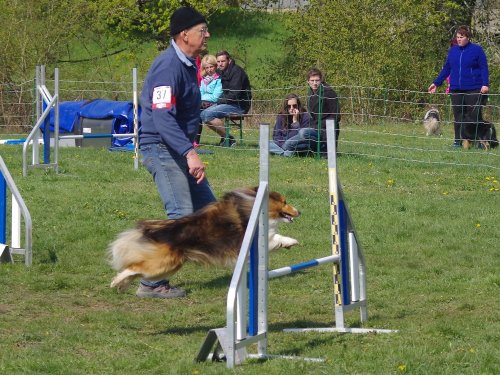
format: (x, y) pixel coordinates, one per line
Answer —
(162, 97)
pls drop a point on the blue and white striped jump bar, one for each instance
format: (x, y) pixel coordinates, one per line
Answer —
(72, 136)
(302, 266)
(12, 141)
(81, 136)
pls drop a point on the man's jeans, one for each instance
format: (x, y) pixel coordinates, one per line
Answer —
(180, 193)
(219, 111)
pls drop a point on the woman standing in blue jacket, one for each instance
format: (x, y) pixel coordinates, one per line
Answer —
(467, 67)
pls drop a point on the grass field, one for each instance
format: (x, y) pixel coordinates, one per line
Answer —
(430, 235)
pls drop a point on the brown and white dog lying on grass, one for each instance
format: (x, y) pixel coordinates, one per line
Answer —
(157, 249)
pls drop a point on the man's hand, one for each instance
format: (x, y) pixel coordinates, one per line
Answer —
(432, 88)
(485, 89)
(196, 166)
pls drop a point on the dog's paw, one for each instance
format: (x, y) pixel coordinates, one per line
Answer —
(289, 242)
(116, 284)
(120, 284)
(278, 242)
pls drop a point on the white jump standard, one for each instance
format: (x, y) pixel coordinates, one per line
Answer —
(19, 244)
(349, 274)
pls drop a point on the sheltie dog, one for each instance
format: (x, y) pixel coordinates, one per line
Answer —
(483, 135)
(431, 122)
(157, 249)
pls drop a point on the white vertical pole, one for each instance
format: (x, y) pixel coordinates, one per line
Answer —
(15, 225)
(136, 118)
(335, 223)
(241, 318)
(56, 120)
(354, 267)
(40, 76)
(263, 265)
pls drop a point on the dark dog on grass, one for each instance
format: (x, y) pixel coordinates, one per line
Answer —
(482, 135)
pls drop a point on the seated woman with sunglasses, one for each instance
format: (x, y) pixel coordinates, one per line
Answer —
(292, 132)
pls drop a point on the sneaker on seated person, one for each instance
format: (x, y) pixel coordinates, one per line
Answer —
(231, 141)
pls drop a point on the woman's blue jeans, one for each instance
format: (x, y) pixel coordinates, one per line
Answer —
(304, 140)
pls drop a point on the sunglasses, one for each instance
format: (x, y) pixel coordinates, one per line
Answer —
(292, 106)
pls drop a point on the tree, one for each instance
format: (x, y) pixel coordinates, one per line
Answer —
(398, 44)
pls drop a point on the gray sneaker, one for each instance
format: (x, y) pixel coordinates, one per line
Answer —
(162, 291)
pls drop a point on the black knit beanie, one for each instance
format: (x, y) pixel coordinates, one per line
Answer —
(184, 18)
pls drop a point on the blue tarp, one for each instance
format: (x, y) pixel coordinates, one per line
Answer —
(68, 116)
(122, 113)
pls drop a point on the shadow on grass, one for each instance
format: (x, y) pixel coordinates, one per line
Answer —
(182, 331)
(217, 283)
(276, 327)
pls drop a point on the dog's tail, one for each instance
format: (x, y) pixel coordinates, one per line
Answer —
(129, 247)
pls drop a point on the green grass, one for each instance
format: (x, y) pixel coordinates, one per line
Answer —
(429, 233)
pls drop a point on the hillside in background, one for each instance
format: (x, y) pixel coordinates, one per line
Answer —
(254, 40)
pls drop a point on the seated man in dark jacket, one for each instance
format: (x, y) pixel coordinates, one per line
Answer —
(322, 104)
(235, 99)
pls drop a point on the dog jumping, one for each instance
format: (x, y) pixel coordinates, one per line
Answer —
(157, 249)
(432, 124)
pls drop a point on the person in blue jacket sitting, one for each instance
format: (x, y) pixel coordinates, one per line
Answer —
(292, 132)
(210, 86)
(467, 67)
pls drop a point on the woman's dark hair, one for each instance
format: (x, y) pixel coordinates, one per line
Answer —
(287, 117)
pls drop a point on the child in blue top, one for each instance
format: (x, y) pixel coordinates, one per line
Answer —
(210, 87)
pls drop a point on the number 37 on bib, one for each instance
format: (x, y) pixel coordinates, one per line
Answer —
(162, 98)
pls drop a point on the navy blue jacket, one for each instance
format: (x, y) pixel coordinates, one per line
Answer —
(170, 102)
(467, 67)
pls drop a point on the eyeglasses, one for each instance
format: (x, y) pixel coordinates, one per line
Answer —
(203, 30)
(292, 106)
